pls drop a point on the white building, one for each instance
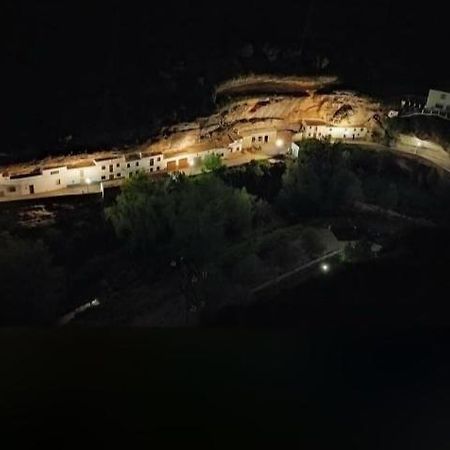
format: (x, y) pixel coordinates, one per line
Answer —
(317, 129)
(438, 100)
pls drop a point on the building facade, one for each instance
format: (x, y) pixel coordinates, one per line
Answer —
(438, 101)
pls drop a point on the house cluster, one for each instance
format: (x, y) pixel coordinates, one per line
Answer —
(111, 170)
(104, 170)
(317, 129)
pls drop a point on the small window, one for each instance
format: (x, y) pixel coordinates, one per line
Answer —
(159, 158)
(103, 167)
(151, 169)
(118, 165)
(137, 163)
(11, 189)
(157, 167)
(443, 96)
(128, 165)
(253, 139)
(152, 162)
(111, 177)
(54, 172)
(119, 175)
(58, 181)
(131, 174)
(259, 138)
(266, 138)
(111, 167)
(103, 177)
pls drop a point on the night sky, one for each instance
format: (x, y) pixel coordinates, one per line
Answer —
(108, 72)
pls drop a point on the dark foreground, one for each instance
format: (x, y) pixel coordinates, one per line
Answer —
(222, 389)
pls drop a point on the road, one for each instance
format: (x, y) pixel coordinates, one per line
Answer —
(275, 282)
(436, 157)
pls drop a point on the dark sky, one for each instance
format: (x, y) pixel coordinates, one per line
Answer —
(66, 60)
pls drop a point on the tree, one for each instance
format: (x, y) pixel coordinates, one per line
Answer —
(212, 163)
(181, 217)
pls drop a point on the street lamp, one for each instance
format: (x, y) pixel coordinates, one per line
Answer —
(325, 268)
(279, 143)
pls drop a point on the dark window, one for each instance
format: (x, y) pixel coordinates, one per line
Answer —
(259, 138)
(159, 158)
(103, 167)
(157, 167)
(253, 139)
(117, 165)
(11, 189)
(111, 177)
(118, 175)
(137, 163)
(58, 181)
(152, 162)
(151, 169)
(54, 172)
(131, 174)
(128, 165)
(266, 138)
(103, 177)
(110, 167)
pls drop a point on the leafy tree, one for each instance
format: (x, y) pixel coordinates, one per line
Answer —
(181, 217)
(31, 285)
(212, 163)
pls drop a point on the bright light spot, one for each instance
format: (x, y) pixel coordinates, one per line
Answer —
(324, 267)
(279, 142)
(88, 181)
(191, 162)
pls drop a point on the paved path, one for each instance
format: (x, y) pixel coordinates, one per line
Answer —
(285, 276)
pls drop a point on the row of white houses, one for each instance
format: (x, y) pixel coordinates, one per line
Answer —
(110, 170)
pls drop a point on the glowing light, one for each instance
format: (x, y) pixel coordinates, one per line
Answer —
(325, 268)
(88, 181)
(279, 142)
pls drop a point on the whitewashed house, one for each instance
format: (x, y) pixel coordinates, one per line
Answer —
(438, 101)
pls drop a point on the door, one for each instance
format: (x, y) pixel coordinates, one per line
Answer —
(183, 163)
(31, 187)
(171, 165)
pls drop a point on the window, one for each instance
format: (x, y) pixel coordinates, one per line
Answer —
(152, 162)
(103, 167)
(58, 181)
(117, 165)
(253, 139)
(137, 163)
(259, 138)
(443, 96)
(128, 165)
(151, 169)
(111, 167)
(54, 172)
(131, 174)
(439, 106)
(157, 167)
(266, 138)
(159, 158)
(362, 129)
(119, 175)
(111, 177)
(11, 189)
(103, 177)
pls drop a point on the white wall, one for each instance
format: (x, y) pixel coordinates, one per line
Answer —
(324, 131)
(438, 100)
